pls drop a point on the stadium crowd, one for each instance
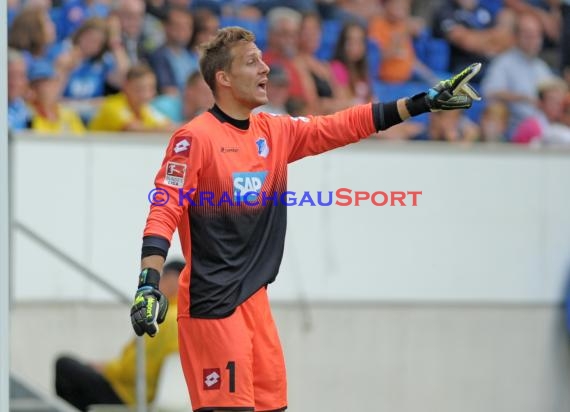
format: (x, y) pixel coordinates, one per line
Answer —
(132, 65)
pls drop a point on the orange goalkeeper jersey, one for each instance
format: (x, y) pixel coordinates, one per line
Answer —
(224, 178)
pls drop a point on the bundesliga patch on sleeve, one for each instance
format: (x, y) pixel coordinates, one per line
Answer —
(181, 146)
(175, 174)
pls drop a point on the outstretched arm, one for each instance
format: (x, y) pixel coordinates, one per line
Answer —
(312, 135)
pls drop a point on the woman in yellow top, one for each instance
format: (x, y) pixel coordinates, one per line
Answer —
(48, 116)
(114, 382)
(130, 110)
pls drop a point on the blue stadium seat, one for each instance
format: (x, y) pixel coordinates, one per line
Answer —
(329, 37)
(434, 52)
(374, 55)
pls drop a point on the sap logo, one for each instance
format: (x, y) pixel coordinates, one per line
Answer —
(247, 185)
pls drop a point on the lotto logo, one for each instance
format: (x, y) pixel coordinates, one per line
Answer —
(212, 379)
(181, 147)
(247, 185)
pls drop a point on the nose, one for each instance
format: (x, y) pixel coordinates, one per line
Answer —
(264, 68)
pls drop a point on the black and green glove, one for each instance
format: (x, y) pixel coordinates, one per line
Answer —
(150, 305)
(451, 94)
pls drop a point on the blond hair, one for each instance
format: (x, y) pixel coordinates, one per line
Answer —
(216, 54)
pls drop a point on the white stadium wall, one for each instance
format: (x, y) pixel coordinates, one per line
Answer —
(451, 305)
(492, 223)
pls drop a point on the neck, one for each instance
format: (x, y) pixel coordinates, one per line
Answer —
(233, 109)
(225, 118)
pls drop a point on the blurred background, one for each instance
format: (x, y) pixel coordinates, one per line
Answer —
(458, 303)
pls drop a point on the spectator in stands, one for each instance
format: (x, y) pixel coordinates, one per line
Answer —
(329, 98)
(452, 127)
(114, 382)
(277, 92)
(513, 76)
(48, 115)
(359, 10)
(349, 64)
(494, 122)
(18, 112)
(75, 12)
(97, 59)
(473, 32)
(13, 10)
(173, 62)
(547, 126)
(141, 34)
(206, 24)
(394, 32)
(545, 11)
(197, 98)
(301, 6)
(130, 110)
(284, 26)
(33, 33)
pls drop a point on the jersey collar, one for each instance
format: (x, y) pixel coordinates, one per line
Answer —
(224, 118)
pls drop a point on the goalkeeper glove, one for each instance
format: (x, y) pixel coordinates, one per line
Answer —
(450, 94)
(150, 305)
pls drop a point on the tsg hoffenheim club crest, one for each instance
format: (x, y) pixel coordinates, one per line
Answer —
(262, 148)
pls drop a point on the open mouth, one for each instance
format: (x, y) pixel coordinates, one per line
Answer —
(262, 86)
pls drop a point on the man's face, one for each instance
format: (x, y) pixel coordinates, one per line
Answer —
(140, 91)
(46, 91)
(310, 37)
(91, 42)
(17, 79)
(179, 28)
(285, 37)
(131, 16)
(248, 75)
(529, 36)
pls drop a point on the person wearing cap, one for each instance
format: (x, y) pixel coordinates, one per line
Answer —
(114, 382)
(48, 115)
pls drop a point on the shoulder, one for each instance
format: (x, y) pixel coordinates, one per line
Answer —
(198, 130)
(270, 119)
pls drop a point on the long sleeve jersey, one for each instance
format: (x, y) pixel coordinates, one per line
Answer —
(223, 179)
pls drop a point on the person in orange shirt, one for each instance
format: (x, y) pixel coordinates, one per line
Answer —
(224, 172)
(394, 31)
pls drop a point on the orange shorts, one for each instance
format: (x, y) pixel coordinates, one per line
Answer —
(235, 362)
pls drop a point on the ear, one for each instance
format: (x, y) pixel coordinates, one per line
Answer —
(222, 78)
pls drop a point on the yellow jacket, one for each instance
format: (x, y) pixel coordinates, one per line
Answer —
(67, 122)
(115, 114)
(121, 372)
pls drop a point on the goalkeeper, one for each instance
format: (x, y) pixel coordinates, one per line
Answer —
(229, 346)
